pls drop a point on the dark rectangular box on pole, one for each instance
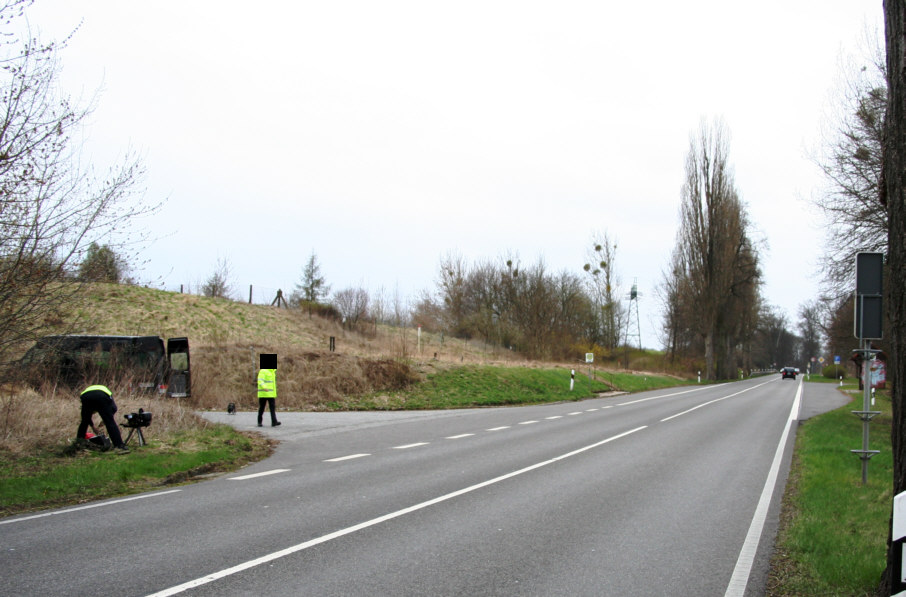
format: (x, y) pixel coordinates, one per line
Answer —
(869, 308)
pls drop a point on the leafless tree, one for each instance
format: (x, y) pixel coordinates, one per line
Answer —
(352, 303)
(851, 159)
(603, 285)
(51, 205)
(715, 262)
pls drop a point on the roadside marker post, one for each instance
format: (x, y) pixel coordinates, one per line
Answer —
(898, 538)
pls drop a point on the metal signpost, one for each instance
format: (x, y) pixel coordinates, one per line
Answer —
(867, 322)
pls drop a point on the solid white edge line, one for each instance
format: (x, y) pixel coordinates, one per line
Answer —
(255, 475)
(349, 530)
(740, 578)
(88, 506)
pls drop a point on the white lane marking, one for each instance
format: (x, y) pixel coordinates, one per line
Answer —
(554, 417)
(87, 507)
(350, 457)
(498, 428)
(685, 412)
(578, 412)
(460, 436)
(254, 475)
(609, 406)
(369, 523)
(591, 410)
(666, 395)
(407, 446)
(527, 422)
(743, 568)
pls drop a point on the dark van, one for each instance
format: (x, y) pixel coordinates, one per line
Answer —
(142, 362)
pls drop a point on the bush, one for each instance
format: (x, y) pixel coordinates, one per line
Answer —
(834, 372)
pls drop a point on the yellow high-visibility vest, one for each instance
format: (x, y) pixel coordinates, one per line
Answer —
(267, 383)
(101, 388)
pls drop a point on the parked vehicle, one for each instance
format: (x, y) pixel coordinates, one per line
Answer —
(141, 362)
(788, 372)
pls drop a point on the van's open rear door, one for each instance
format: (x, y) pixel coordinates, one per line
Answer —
(180, 382)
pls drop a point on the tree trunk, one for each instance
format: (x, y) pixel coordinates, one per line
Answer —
(895, 187)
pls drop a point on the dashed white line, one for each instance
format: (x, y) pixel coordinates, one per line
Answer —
(407, 446)
(554, 417)
(374, 521)
(460, 436)
(578, 412)
(264, 474)
(350, 457)
(498, 428)
(591, 410)
(527, 422)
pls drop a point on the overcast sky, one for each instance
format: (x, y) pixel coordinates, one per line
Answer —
(384, 135)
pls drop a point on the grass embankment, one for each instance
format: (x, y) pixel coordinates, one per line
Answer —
(833, 538)
(478, 386)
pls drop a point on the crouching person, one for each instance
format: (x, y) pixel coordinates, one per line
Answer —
(98, 399)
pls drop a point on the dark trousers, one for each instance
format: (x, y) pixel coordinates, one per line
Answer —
(106, 408)
(272, 403)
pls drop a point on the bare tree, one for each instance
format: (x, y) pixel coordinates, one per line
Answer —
(51, 206)
(851, 161)
(715, 262)
(352, 303)
(603, 285)
(810, 329)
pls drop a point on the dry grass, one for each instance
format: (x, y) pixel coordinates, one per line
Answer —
(31, 421)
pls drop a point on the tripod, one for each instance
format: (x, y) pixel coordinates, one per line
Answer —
(137, 431)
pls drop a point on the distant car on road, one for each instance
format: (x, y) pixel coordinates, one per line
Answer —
(788, 372)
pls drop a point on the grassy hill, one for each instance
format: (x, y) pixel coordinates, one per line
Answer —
(226, 337)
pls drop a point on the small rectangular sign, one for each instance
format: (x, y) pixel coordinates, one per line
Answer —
(589, 357)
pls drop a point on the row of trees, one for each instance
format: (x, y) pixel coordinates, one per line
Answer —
(540, 313)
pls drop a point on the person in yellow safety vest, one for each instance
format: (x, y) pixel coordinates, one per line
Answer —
(267, 394)
(99, 399)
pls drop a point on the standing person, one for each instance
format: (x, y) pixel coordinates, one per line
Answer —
(267, 387)
(99, 399)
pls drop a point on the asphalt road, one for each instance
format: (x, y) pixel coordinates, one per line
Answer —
(661, 493)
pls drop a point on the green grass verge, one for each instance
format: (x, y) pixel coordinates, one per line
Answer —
(63, 477)
(479, 386)
(834, 537)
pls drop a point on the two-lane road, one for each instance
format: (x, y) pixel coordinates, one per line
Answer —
(661, 493)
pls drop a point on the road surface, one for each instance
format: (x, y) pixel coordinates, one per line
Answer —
(668, 492)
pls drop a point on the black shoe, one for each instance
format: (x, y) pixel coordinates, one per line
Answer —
(276, 423)
(260, 425)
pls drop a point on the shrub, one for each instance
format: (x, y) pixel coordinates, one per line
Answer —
(834, 372)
